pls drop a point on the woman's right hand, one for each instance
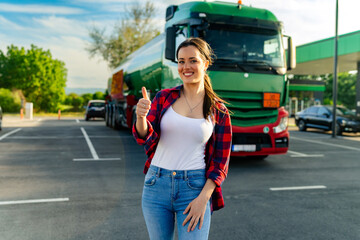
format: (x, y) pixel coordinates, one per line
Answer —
(143, 106)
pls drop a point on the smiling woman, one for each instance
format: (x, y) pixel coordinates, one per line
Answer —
(191, 120)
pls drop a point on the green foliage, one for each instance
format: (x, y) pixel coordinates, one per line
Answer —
(87, 97)
(9, 102)
(75, 101)
(346, 90)
(99, 96)
(128, 35)
(40, 77)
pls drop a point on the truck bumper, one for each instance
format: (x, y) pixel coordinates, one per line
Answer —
(260, 140)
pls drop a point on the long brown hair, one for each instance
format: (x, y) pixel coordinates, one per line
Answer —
(211, 99)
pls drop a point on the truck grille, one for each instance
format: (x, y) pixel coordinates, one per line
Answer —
(247, 108)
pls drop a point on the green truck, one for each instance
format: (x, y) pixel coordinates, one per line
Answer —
(249, 71)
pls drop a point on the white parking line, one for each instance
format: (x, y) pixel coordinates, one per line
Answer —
(9, 133)
(297, 188)
(93, 152)
(327, 144)
(297, 154)
(91, 159)
(34, 201)
(77, 121)
(66, 137)
(91, 147)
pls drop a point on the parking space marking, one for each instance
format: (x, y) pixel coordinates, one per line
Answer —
(66, 137)
(91, 147)
(9, 133)
(297, 188)
(34, 201)
(91, 159)
(327, 144)
(297, 154)
(77, 121)
(92, 150)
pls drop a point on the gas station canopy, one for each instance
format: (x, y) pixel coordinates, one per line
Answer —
(318, 57)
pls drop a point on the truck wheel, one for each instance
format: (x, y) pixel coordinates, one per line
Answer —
(107, 117)
(115, 124)
(302, 125)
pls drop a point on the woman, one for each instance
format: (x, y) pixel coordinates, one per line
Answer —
(186, 132)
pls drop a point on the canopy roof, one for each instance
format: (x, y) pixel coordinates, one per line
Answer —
(318, 57)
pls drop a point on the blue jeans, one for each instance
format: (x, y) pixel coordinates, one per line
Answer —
(165, 196)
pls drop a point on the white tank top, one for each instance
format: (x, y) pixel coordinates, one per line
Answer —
(182, 142)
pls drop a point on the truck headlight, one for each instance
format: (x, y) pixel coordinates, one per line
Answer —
(282, 125)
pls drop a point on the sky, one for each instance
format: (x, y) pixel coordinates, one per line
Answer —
(62, 26)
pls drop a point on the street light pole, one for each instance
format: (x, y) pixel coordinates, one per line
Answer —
(335, 74)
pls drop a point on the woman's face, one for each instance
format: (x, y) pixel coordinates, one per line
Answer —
(191, 66)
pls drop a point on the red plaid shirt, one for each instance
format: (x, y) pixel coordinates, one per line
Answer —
(218, 148)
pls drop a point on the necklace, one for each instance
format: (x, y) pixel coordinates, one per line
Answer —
(191, 108)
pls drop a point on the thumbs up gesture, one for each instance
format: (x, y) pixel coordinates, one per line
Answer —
(144, 104)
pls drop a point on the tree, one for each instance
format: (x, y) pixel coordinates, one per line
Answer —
(98, 96)
(40, 77)
(9, 102)
(346, 90)
(86, 97)
(76, 101)
(131, 33)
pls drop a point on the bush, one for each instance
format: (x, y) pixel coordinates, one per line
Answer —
(9, 102)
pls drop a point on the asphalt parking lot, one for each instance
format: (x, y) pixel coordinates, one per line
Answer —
(71, 179)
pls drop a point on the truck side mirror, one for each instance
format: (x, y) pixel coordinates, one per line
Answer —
(170, 43)
(291, 55)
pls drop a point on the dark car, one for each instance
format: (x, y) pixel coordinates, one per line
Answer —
(1, 116)
(321, 117)
(95, 109)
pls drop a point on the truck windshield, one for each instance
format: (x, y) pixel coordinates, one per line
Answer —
(252, 49)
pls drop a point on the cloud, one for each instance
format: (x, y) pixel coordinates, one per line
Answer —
(7, 24)
(39, 9)
(61, 25)
(83, 72)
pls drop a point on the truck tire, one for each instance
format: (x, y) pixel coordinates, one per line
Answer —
(115, 124)
(107, 116)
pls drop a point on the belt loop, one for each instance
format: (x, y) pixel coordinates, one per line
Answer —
(185, 175)
(158, 172)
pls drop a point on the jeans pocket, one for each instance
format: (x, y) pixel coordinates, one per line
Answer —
(196, 183)
(150, 179)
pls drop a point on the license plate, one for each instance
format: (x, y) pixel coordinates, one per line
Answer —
(244, 148)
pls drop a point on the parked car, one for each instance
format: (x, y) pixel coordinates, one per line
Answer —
(1, 116)
(321, 117)
(95, 108)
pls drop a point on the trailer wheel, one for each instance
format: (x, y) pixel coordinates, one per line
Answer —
(107, 116)
(115, 124)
